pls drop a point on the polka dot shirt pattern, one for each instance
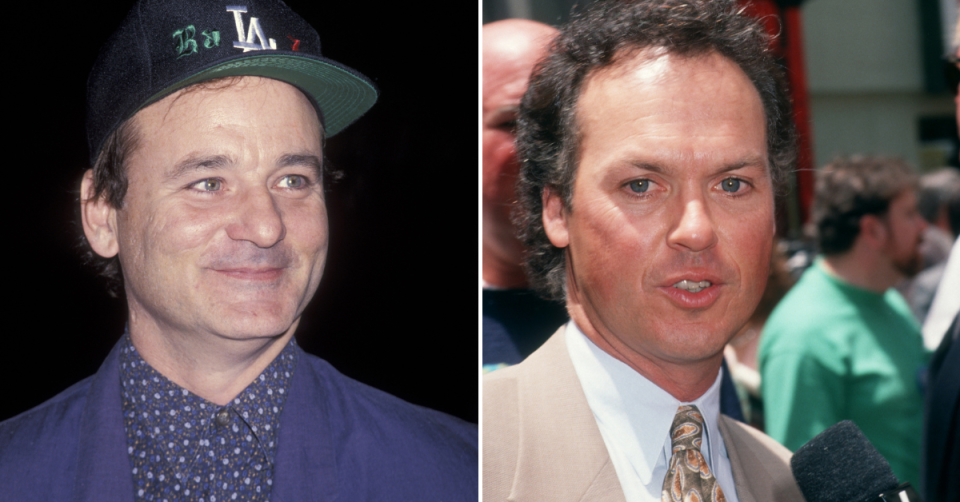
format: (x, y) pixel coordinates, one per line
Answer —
(185, 448)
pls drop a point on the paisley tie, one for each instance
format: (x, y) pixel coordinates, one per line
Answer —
(688, 477)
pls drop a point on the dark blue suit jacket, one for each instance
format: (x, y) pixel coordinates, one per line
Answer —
(338, 440)
(941, 460)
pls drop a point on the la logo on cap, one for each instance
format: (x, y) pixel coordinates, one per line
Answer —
(246, 42)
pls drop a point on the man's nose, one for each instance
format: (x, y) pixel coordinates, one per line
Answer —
(694, 230)
(257, 219)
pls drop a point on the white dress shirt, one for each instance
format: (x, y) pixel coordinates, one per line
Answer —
(634, 417)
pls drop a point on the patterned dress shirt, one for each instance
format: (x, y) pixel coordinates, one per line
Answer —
(185, 448)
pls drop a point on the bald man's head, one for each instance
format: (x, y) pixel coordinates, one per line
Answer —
(511, 48)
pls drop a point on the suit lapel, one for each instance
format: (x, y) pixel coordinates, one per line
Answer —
(305, 467)
(561, 452)
(605, 486)
(103, 468)
(760, 465)
(943, 409)
(741, 478)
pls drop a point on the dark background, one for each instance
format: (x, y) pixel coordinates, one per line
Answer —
(398, 305)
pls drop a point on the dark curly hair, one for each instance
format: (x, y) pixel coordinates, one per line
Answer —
(110, 178)
(849, 188)
(606, 32)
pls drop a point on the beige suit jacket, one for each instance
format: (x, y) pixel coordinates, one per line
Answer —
(541, 442)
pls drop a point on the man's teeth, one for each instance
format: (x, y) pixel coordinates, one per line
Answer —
(692, 286)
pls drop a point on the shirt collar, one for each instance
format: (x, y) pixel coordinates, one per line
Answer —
(638, 411)
(155, 399)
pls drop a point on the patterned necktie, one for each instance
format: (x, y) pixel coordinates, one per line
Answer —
(688, 477)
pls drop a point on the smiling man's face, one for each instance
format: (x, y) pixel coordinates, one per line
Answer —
(671, 223)
(223, 229)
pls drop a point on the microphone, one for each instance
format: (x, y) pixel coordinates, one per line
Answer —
(840, 465)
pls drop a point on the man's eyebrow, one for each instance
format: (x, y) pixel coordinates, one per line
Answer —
(747, 162)
(647, 166)
(196, 162)
(302, 159)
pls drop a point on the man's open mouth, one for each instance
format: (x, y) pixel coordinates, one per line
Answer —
(692, 286)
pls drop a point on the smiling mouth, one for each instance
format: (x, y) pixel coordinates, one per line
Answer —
(692, 286)
(255, 274)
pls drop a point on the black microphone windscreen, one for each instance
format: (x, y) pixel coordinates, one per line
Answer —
(840, 465)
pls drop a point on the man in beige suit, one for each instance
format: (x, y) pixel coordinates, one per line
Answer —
(654, 137)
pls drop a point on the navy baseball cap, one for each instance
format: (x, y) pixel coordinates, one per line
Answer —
(165, 45)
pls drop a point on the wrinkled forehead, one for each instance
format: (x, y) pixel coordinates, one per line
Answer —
(691, 90)
(261, 120)
(651, 66)
(710, 81)
(218, 97)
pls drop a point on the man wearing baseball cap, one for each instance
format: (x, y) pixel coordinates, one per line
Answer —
(205, 205)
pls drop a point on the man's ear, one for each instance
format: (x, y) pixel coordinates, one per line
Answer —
(555, 218)
(99, 219)
(873, 231)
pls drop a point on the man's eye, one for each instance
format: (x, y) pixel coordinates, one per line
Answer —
(639, 186)
(293, 181)
(209, 185)
(731, 185)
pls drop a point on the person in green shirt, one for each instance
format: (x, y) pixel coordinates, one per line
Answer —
(843, 344)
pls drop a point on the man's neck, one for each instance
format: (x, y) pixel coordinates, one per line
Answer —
(214, 368)
(686, 381)
(862, 270)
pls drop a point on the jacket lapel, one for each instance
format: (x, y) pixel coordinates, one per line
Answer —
(552, 405)
(740, 460)
(605, 487)
(942, 410)
(760, 465)
(103, 469)
(305, 467)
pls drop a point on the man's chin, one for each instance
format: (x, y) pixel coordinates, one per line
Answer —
(687, 342)
(243, 323)
(910, 268)
(698, 347)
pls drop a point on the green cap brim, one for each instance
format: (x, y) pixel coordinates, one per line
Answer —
(341, 95)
